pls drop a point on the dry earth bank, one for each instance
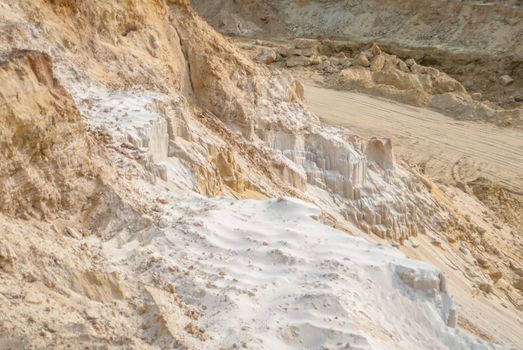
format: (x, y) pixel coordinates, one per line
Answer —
(130, 129)
(479, 44)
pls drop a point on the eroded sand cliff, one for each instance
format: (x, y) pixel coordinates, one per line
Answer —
(130, 132)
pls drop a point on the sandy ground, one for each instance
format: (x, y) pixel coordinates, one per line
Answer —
(447, 149)
(249, 265)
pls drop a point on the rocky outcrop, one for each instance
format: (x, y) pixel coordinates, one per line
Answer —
(300, 151)
(472, 54)
(43, 143)
(236, 126)
(378, 73)
(375, 20)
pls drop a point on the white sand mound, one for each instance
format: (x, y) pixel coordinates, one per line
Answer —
(269, 275)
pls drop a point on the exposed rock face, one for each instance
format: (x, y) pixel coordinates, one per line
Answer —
(43, 144)
(54, 173)
(297, 151)
(478, 59)
(235, 94)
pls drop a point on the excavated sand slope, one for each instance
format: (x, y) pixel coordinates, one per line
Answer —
(121, 119)
(449, 150)
(480, 158)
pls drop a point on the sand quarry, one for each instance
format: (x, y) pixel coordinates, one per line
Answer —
(261, 174)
